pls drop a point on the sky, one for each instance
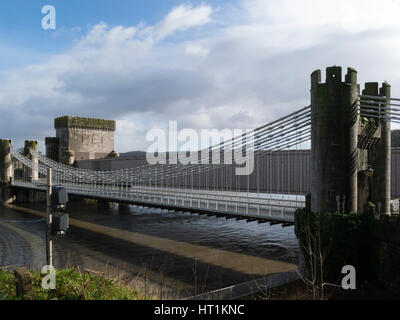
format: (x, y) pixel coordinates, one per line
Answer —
(205, 64)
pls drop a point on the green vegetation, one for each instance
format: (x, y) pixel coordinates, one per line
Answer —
(330, 241)
(71, 284)
(70, 121)
(7, 285)
(299, 290)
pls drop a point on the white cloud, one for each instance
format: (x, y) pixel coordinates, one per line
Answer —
(353, 16)
(196, 50)
(182, 18)
(100, 35)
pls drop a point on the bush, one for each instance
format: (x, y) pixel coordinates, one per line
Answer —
(331, 241)
(71, 284)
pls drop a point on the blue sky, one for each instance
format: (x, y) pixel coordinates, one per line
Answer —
(25, 42)
(206, 64)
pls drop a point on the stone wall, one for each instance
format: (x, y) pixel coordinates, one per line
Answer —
(111, 164)
(388, 239)
(84, 142)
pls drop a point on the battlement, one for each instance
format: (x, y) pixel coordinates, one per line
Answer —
(5, 142)
(334, 76)
(87, 123)
(373, 89)
(51, 140)
(30, 144)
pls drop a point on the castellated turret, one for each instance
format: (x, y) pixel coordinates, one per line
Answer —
(81, 139)
(52, 148)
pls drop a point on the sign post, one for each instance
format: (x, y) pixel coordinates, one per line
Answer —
(49, 241)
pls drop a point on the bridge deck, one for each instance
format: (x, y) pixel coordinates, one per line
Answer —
(274, 208)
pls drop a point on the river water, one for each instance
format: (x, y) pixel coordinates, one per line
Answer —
(170, 254)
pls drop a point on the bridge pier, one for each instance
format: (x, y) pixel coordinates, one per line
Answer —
(6, 167)
(104, 206)
(123, 208)
(36, 196)
(77, 202)
(6, 171)
(29, 196)
(21, 196)
(350, 172)
(5, 193)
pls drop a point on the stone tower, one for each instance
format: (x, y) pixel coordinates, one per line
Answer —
(81, 139)
(52, 148)
(350, 156)
(6, 165)
(29, 146)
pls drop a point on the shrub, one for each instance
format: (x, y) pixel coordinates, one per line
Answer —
(330, 241)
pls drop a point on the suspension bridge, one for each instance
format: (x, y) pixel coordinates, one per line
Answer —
(264, 193)
(193, 187)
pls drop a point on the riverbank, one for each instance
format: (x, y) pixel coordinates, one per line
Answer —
(298, 290)
(71, 284)
(167, 255)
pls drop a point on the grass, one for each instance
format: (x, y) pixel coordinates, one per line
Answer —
(71, 284)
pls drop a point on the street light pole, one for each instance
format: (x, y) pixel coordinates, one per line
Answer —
(49, 241)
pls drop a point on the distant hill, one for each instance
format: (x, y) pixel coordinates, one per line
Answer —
(135, 154)
(132, 154)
